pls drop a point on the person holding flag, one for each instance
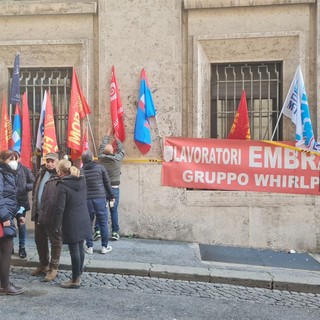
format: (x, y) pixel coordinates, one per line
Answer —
(112, 161)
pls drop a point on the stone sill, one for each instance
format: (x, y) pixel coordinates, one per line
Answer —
(209, 4)
(29, 8)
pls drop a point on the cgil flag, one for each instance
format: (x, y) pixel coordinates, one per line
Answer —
(49, 134)
(145, 110)
(296, 107)
(6, 129)
(40, 132)
(26, 149)
(15, 84)
(116, 109)
(85, 142)
(240, 128)
(16, 130)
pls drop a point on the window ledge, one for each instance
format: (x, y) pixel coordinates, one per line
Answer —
(38, 8)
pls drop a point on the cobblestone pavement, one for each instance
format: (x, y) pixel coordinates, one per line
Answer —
(22, 276)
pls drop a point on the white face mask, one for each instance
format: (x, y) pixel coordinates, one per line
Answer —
(13, 164)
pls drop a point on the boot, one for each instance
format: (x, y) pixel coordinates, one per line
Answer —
(40, 270)
(71, 284)
(11, 290)
(51, 275)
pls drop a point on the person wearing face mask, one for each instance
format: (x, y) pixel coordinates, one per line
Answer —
(9, 209)
(24, 182)
(42, 214)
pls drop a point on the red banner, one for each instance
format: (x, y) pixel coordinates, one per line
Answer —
(246, 165)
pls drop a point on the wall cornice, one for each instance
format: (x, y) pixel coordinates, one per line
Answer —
(29, 8)
(208, 4)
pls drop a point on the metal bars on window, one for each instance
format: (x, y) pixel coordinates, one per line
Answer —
(58, 82)
(262, 83)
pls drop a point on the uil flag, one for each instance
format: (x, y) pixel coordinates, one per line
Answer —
(16, 130)
(78, 97)
(26, 150)
(40, 133)
(116, 109)
(146, 109)
(240, 128)
(296, 107)
(15, 85)
(49, 135)
(6, 129)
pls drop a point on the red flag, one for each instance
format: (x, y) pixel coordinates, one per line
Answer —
(6, 128)
(49, 137)
(240, 128)
(77, 95)
(74, 123)
(26, 150)
(116, 109)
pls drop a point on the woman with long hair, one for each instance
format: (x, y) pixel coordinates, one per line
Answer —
(72, 217)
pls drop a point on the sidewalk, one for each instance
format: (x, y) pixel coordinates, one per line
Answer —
(182, 261)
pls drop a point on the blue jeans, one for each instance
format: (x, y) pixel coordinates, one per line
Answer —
(22, 234)
(113, 212)
(97, 207)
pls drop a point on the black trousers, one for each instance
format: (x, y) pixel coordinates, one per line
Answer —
(6, 246)
(77, 258)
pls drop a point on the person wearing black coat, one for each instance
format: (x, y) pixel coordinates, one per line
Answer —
(24, 181)
(9, 209)
(72, 217)
(98, 191)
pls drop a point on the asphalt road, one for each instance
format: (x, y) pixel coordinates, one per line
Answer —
(107, 296)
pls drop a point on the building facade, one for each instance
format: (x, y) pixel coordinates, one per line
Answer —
(198, 55)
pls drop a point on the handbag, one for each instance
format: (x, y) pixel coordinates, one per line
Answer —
(1, 231)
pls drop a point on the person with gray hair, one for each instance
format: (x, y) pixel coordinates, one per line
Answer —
(98, 192)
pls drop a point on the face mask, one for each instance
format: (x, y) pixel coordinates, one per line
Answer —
(13, 164)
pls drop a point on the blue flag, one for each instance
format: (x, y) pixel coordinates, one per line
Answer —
(146, 109)
(16, 130)
(296, 107)
(15, 85)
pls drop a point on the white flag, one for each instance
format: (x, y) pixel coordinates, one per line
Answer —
(41, 122)
(296, 107)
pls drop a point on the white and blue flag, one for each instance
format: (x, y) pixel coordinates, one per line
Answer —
(296, 107)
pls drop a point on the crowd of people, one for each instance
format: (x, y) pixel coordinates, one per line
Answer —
(69, 206)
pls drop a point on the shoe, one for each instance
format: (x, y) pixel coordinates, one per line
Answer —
(96, 236)
(12, 252)
(115, 236)
(22, 253)
(105, 250)
(71, 284)
(11, 290)
(40, 270)
(89, 250)
(51, 275)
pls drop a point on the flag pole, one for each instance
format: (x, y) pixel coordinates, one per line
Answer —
(159, 136)
(277, 124)
(91, 133)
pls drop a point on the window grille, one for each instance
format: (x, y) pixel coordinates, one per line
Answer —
(35, 82)
(262, 83)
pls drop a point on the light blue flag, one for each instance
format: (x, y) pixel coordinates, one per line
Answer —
(16, 130)
(296, 107)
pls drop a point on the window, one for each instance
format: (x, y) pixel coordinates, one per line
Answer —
(262, 83)
(34, 82)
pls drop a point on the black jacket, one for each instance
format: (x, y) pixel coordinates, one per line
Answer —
(70, 210)
(8, 199)
(24, 181)
(98, 182)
